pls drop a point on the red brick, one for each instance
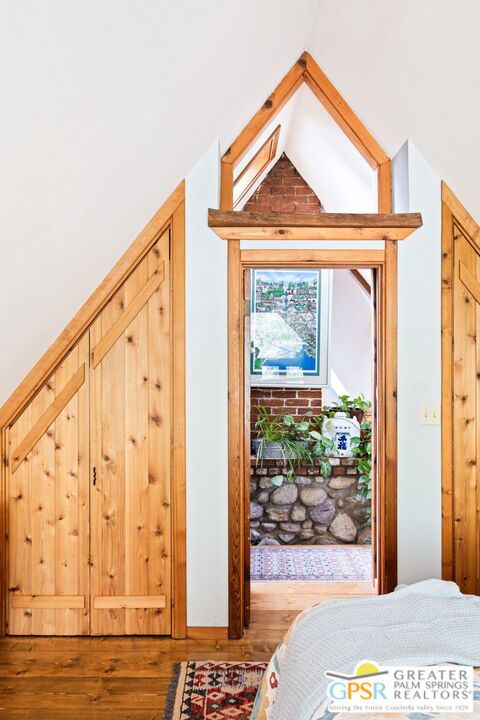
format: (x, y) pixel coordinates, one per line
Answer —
(296, 403)
(272, 402)
(316, 403)
(310, 394)
(283, 190)
(304, 208)
(284, 393)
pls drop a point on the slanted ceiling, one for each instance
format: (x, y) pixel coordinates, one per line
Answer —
(126, 97)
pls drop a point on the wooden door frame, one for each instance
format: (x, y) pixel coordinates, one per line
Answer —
(454, 215)
(239, 475)
(170, 216)
(307, 71)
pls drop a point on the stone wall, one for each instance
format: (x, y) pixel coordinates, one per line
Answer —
(309, 511)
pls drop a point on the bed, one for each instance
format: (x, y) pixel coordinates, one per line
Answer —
(430, 623)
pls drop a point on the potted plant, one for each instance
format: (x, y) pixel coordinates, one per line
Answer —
(353, 407)
(279, 437)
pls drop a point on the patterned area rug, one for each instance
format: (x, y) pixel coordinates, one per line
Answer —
(213, 690)
(311, 564)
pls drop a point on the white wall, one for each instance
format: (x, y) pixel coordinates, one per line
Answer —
(106, 106)
(327, 160)
(417, 188)
(206, 398)
(351, 335)
(410, 70)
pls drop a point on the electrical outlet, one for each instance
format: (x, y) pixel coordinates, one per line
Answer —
(429, 414)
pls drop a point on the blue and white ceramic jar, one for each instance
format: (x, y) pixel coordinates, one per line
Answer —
(341, 429)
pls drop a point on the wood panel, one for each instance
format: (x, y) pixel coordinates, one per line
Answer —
(247, 294)
(245, 181)
(460, 395)
(48, 505)
(170, 215)
(178, 403)
(447, 394)
(130, 455)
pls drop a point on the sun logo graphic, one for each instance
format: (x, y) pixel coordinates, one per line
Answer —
(365, 685)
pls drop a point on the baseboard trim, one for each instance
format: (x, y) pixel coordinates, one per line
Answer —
(207, 633)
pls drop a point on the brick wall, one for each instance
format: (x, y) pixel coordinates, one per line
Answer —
(284, 190)
(285, 401)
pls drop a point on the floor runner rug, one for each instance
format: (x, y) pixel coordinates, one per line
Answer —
(213, 690)
(311, 564)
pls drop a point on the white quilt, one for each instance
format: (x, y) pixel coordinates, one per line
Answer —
(426, 623)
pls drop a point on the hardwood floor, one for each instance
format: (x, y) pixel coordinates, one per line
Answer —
(275, 605)
(52, 678)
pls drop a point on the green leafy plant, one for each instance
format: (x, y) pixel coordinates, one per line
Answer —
(362, 450)
(322, 447)
(352, 406)
(287, 435)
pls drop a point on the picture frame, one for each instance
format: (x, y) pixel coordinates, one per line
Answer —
(290, 327)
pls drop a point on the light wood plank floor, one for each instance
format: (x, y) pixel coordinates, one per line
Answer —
(128, 678)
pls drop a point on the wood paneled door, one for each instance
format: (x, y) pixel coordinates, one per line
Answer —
(49, 506)
(89, 474)
(460, 395)
(130, 454)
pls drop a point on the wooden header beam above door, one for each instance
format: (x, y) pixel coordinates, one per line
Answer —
(231, 225)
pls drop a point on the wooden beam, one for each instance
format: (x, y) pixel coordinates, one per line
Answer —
(343, 114)
(329, 258)
(282, 93)
(48, 417)
(178, 488)
(388, 560)
(470, 281)
(230, 225)
(384, 187)
(47, 602)
(448, 522)
(360, 280)
(133, 602)
(461, 215)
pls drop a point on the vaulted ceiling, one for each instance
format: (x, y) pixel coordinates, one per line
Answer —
(106, 106)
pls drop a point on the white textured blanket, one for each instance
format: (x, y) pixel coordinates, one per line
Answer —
(428, 623)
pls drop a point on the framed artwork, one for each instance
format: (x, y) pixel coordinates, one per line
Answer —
(290, 318)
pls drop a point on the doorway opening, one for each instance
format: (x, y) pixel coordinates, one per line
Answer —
(311, 433)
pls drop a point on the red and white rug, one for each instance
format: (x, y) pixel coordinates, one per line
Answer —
(319, 563)
(213, 690)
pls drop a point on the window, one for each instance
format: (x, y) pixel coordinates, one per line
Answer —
(290, 327)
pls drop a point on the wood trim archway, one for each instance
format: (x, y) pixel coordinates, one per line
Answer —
(171, 215)
(306, 70)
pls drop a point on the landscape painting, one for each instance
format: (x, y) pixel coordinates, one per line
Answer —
(285, 324)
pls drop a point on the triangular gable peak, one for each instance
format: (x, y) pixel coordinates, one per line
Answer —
(283, 190)
(307, 71)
